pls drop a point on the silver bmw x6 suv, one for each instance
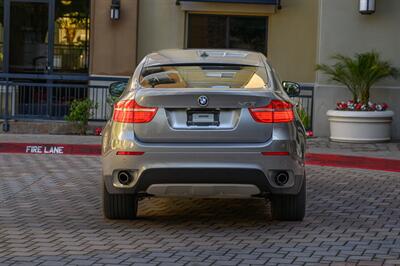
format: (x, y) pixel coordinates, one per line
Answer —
(204, 123)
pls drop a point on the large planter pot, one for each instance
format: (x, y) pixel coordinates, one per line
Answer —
(360, 126)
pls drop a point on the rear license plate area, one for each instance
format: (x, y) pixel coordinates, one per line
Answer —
(203, 118)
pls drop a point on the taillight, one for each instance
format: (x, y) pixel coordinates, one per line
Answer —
(130, 112)
(276, 111)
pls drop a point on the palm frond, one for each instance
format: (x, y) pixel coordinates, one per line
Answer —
(359, 73)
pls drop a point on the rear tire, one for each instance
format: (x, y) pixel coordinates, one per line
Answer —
(289, 207)
(119, 206)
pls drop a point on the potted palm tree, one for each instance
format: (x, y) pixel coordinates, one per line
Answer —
(358, 119)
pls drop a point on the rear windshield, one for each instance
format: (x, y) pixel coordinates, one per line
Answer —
(204, 76)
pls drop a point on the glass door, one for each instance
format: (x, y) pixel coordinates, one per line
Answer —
(29, 49)
(44, 38)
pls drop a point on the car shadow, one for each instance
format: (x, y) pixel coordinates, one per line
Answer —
(178, 210)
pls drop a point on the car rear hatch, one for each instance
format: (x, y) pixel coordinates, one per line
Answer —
(203, 103)
(223, 118)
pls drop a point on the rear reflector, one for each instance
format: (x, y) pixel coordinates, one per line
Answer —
(276, 111)
(130, 153)
(275, 153)
(130, 112)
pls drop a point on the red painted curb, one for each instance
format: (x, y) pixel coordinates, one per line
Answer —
(333, 160)
(346, 161)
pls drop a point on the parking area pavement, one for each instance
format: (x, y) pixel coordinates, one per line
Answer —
(50, 214)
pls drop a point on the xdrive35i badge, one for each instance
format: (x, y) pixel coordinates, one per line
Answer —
(202, 100)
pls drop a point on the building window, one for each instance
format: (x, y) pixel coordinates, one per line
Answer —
(235, 32)
(71, 37)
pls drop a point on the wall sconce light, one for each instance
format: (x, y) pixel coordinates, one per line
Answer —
(115, 10)
(367, 7)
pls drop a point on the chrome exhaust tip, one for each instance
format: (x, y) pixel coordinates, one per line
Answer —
(125, 178)
(281, 178)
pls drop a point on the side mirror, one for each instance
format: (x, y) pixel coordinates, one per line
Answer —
(291, 88)
(117, 88)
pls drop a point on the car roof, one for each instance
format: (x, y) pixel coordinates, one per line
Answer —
(203, 56)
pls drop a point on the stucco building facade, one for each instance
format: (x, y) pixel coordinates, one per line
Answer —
(294, 34)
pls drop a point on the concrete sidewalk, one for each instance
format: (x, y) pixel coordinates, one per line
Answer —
(389, 150)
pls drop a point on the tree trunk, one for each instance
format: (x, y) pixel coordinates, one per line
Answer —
(365, 96)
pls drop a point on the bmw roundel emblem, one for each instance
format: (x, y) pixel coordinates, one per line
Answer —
(202, 100)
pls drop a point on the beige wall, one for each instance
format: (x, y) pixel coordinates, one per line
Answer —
(292, 40)
(343, 30)
(162, 25)
(113, 43)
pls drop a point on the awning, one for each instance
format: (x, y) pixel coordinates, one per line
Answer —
(263, 2)
(235, 7)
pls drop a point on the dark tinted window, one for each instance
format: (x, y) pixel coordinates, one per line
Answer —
(248, 33)
(207, 31)
(235, 32)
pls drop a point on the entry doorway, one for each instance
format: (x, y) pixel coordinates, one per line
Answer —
(29, 37)
(44, 38)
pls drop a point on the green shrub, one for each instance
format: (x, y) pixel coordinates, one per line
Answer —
(304, 116)
(79, 114)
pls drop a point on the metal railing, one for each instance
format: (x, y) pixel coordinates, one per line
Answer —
(48, 97)
(305, 105)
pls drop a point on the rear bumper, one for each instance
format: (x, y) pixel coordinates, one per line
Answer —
(250, 168)
(205, 164)
(210, 177)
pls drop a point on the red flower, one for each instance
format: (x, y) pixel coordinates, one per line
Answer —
(341, 106)
(98, 131)
(351, 105)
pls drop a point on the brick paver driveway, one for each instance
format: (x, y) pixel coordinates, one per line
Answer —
(50, 215)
